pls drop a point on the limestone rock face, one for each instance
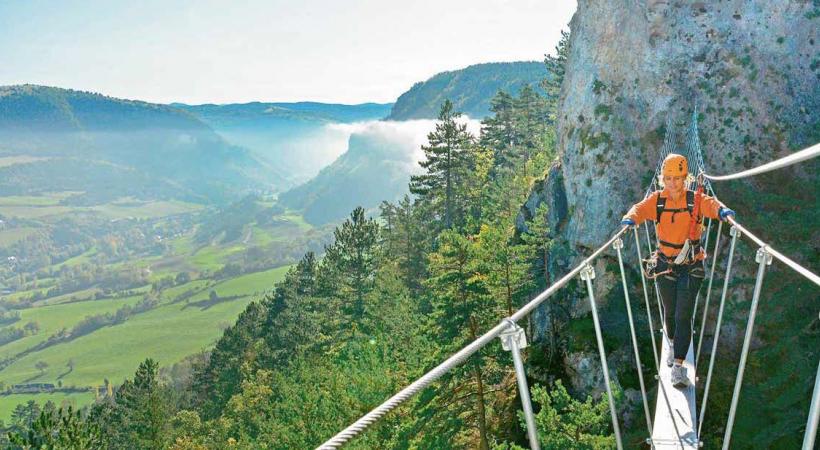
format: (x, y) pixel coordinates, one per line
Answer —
(751, 67)
(751, 71)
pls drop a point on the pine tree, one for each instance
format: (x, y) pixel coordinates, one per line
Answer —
(462, 309)
(407, 240)
(556, 69)
(445, 164)
(217, 381)
(303, 316)
(532, 121)
(24, 414)
(508, 275)
(352, 260)
(138, 415)
(59, 429)
(500, 132)
(536, 237)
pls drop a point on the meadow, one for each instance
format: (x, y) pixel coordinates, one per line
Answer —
(185, 320)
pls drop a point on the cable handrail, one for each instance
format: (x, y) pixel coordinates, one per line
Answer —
(781, 257)
(462, 355)
(794, 158)
(459, 357)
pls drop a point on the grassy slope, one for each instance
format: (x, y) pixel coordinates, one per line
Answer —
(52, 318)
(167, 333)
(116, 210)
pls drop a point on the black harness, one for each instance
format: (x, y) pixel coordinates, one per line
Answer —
(660, 208)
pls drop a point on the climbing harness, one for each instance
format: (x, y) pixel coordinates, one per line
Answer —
(690, 251)
(656, 265)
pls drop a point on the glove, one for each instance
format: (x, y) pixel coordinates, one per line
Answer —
(626, 221)
(724, 213)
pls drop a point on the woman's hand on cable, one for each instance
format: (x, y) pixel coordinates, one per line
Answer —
(724, 213)
(627, 222)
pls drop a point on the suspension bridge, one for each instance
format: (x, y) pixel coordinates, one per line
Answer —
(677, 421)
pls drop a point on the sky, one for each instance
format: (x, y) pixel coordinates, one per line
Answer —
(207, 51)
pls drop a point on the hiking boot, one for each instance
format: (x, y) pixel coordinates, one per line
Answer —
(670, 359)
(679, 378)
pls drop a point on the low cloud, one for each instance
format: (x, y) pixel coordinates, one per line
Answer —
(398, 140)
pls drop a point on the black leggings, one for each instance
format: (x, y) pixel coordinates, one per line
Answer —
(678, 292)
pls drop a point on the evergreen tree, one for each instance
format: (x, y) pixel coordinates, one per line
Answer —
(537, 239)
(407, 240)
(138, 415)
(532, 122)
(462, 309)
(445, 158)
(24, 414)
(217, 381)
(500, 132)
(508, 274)
(58, 429)
(566, 423)
(556, 69)
(351, 262)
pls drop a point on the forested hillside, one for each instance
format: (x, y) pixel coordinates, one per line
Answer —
(122, 148)
(381, 156)
(470, 89)
(390, 297)
(376, 166)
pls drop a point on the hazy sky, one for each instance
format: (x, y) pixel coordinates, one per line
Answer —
(206, 51)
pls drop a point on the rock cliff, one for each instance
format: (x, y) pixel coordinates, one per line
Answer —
(752, 68)
(752, 71)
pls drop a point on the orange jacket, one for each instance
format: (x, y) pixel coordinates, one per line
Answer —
(673, 227)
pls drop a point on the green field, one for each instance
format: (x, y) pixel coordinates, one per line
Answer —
(54, 317)
(34, 212)
(254, 283)
(213, 257)
(186, 320)
(45, 199)
(38, 207)
(77, 260)
(166, 333)
(144, 210)
(9, 402)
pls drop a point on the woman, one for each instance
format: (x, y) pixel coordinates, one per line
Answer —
(678, 263)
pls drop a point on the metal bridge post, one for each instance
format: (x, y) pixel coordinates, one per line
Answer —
(513, 340)
(618, 245)
(706, 249)
(587, 274)
(814, 415)
(708, 292)
(655, 282)
(646, 299)
(735, 233)
(764, 258)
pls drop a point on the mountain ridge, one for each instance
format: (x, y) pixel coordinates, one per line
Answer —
(159, 140)
(469, 88)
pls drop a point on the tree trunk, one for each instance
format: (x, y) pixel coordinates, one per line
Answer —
(509, 288)
(482, 412)
(448, 190)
